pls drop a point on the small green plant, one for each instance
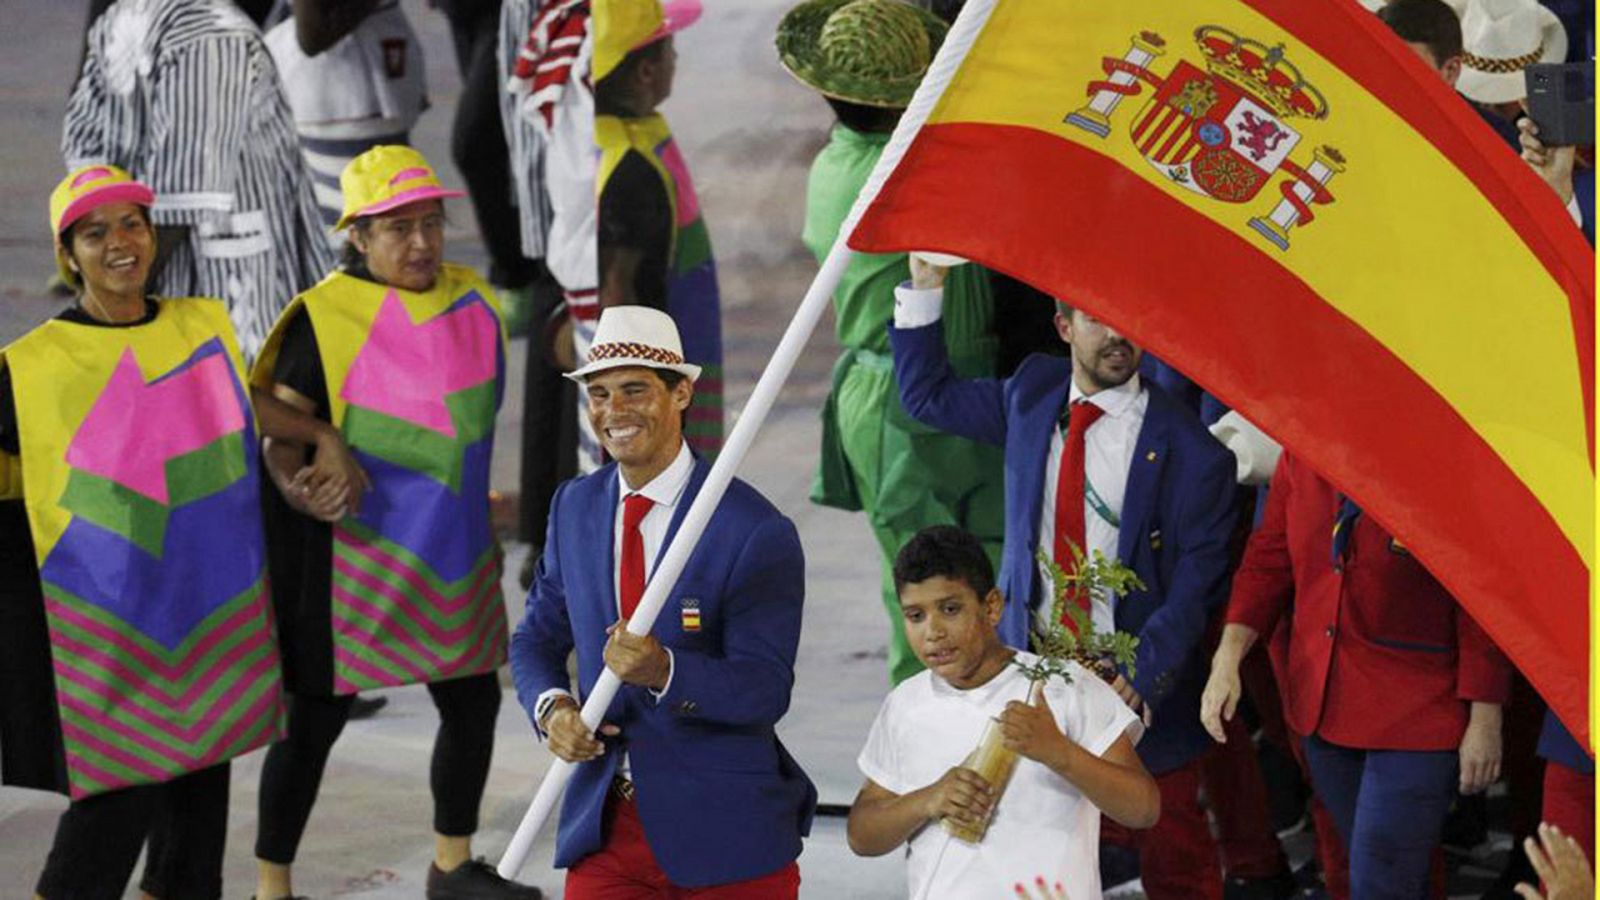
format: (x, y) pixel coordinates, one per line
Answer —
(1095, 576)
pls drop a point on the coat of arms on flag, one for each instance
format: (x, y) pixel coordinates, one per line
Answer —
(1223, 131)
(1358, 359)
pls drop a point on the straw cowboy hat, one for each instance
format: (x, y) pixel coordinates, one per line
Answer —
(635, 336)
(871, 52)
(1501, 38)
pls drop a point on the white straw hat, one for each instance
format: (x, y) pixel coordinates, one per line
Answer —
(635, 336)
(1501, 38)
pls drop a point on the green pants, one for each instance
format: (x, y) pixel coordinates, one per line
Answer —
(904, 476)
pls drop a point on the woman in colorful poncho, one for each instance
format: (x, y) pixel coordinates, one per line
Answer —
(404, 354)
(134, 618)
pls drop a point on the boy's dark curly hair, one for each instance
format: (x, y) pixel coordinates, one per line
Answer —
(948, 551)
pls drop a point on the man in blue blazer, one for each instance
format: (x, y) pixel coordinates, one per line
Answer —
(1158, 495)
(687, 786)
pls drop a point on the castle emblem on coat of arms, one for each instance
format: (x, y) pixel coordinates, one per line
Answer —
(1224, 131)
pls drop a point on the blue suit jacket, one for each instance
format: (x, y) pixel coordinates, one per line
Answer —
(720, 798)
(1177, 516)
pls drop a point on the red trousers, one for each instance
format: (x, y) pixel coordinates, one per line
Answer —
(625, 869)
(1569, 804)
(1178, 857)
(1238, 797)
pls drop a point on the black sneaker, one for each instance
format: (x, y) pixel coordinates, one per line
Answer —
(365, 707)
(476, 880)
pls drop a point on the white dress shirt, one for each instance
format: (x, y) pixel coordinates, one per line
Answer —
(665, 491)
(1107, 458)
(1108, 451)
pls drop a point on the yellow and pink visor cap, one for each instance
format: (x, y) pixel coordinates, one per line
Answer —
(88, 188)
(623, 26)
(386, 178)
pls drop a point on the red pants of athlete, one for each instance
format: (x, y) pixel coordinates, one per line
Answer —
(1238, 797)
(1569, 804)
(1178, 857)
(625, 869)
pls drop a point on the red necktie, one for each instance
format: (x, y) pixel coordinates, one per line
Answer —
(630, 586)
(1070, 525)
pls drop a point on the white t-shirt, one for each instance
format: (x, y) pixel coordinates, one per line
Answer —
(373, 82)
(1043, 825)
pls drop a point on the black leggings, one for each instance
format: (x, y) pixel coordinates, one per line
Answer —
(98, 841)
(462, 749)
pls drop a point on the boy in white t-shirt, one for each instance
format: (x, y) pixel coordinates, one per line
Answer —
(1075, 743)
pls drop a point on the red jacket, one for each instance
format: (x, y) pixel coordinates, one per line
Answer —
(1380, 656)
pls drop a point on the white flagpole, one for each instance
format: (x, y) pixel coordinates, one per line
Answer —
(951, 53)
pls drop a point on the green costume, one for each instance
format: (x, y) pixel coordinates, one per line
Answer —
(875, 457)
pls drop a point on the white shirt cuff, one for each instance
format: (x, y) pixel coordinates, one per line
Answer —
(1256, 454)
(1573, 210)
(917, 307)
(542, 706)
(671, 667)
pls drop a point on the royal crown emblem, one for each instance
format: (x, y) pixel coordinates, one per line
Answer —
(1223, 131)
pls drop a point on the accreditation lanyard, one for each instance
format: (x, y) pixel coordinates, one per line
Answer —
(1092, 496)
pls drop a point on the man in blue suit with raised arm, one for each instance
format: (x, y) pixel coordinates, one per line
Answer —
(1099, 459)
(687, 787)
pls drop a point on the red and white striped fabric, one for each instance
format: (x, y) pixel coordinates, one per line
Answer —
(544, 64)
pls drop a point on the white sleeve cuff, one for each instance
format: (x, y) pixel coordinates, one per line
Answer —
(1573, 210)
(543, 704)
(917, 307)
(671, 667)
(1255, 454)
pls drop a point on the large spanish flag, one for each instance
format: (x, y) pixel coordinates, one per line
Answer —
(1280, 199)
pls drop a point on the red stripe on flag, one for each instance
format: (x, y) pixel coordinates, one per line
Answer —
(1472, 521)
(1345, 34)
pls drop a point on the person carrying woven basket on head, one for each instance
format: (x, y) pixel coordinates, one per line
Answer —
(866, 58)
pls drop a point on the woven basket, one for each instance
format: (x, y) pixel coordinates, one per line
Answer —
(871, 52)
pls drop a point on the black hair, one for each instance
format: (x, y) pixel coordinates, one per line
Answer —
(351, 259)
(670, 377)
(613, 94)
(1431, 23)
(947, 9)
(944, 551)
(863, 118)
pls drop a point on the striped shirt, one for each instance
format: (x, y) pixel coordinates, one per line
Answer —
(183, 94)
(522, 138)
